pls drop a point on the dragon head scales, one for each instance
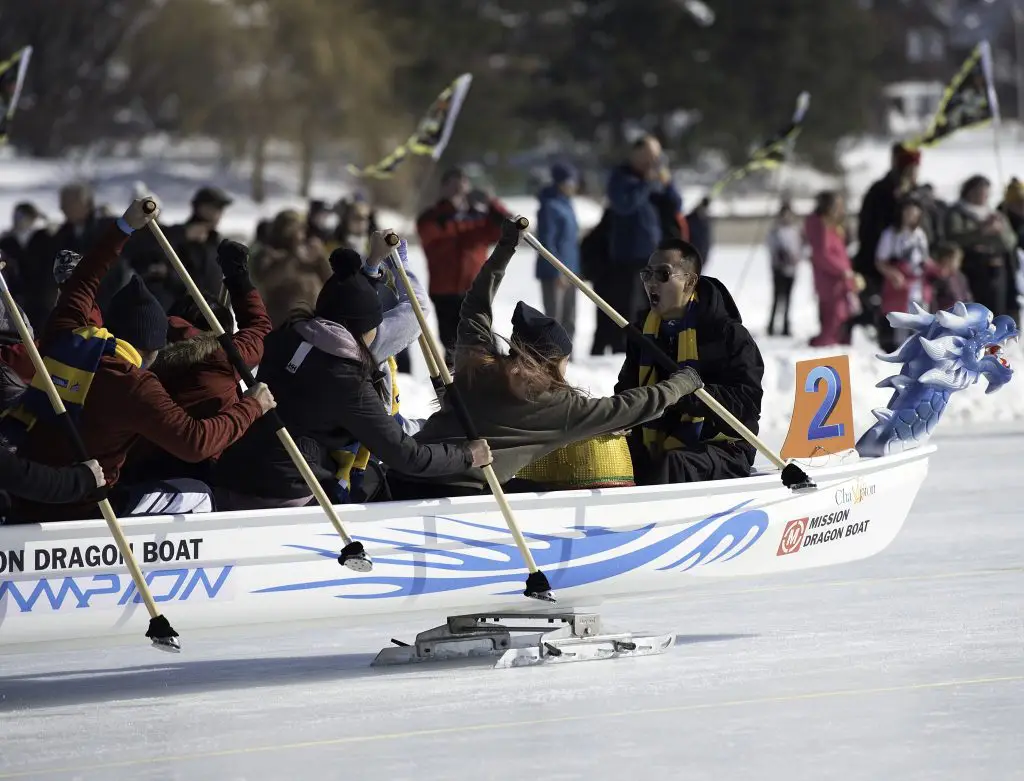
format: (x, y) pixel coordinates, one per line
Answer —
(946, 352)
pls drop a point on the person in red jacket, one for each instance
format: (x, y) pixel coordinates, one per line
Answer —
(195, 369)
(456, 234)
(119, 401)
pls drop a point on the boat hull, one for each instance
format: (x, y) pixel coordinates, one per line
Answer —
(445, 557)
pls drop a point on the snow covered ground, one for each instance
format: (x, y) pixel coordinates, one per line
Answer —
(904, 666)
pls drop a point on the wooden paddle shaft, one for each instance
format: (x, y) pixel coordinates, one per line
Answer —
(282, 432)
(58, 407)
(710, 401)
(433, 349)
(428, 357)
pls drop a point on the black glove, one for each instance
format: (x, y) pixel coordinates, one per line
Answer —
(233, 258)
(509, 233)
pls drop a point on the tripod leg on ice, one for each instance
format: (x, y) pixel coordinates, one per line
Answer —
(580, 637)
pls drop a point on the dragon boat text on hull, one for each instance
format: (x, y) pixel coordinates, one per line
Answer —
(446, 557)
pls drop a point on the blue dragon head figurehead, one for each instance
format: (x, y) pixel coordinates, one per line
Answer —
(946, 352)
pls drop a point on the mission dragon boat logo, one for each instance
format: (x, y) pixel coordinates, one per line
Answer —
(817, 530)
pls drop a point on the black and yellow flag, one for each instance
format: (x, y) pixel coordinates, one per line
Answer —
(12, 79)
(773, 152)
(431, 135)
(969, 100)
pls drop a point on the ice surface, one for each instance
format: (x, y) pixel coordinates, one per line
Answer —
(906, 666)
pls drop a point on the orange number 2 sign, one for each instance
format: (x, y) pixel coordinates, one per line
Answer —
(822, 421)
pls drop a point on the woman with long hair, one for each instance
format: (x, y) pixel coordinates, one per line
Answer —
(521, 402)
(331, 396)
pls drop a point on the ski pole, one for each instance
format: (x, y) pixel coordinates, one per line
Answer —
(353, 555)
(537, 585)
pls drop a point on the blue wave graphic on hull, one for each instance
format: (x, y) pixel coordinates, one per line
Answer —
(567, 552)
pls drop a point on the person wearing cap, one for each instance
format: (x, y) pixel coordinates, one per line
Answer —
(332, 399)
(112, 396)
(879, 209)
(195, 241)
(559, 231)
(521, 403)
(455, 234)
(694, 319)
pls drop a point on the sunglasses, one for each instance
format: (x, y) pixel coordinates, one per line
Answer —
(659, 273)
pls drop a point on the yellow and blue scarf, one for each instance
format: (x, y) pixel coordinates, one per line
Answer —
(352, 459)
(72, 360)
(687, 432)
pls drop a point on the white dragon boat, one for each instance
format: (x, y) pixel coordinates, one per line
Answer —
(455, 557)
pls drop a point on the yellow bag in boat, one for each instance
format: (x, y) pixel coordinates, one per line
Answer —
(600, 462)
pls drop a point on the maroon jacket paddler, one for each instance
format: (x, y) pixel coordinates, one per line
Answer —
(125, 401)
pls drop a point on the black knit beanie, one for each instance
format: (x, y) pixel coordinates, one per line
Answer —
(348, 297)
(542, 333)
(136, 317)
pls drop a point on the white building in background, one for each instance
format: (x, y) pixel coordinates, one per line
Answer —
(910, 105)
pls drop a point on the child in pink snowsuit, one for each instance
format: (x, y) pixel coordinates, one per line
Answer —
(833, 271)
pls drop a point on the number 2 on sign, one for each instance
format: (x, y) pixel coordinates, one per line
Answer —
(833, 391)
(822, 420)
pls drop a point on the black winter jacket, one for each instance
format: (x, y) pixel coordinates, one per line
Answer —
(40, 483)
(729, 362)
(327, 401)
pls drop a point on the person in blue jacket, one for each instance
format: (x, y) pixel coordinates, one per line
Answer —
(644, 206)
(559, 231)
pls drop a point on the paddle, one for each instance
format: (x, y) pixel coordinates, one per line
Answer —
(353, 555)
(793, 476)
(537, 585)
(160, 631)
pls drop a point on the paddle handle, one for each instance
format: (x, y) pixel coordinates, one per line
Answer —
(149, 206)
(227, 343)
(458, 403)
(660, 356)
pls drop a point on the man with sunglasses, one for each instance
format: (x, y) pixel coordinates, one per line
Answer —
(695, 320)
